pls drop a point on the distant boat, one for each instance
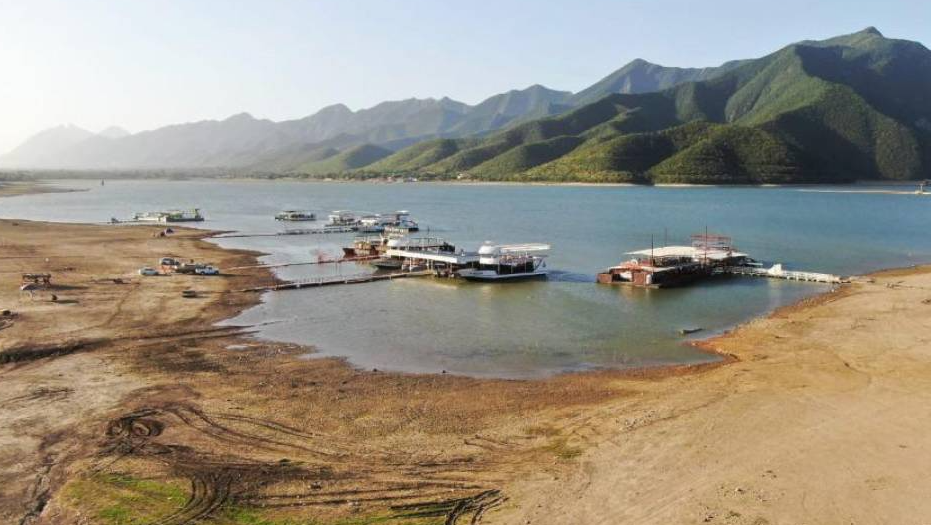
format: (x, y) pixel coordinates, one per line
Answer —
(398, 222)
(508, 262)
(295, 215)
(342, 218)
(170, 216)
(366, 246)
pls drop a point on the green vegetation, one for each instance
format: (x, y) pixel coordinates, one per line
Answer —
(353, 158)
(850, 107)
(121, 499)
(853, 107)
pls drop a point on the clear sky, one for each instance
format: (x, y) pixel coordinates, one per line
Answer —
(142, 64)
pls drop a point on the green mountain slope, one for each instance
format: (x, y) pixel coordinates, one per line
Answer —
(852, 107)
(353, 158)
(640, 76)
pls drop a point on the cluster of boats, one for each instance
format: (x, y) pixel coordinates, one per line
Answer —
(490, 262)
(397, 222)
(667, 266)
(386, 245)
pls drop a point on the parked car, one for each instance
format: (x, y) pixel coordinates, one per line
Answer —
(148, 271)
(207, 270)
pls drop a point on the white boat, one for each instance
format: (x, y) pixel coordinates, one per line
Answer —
(412, 249)
(420, 244)
(372, 224)
(508, 262)
(193, 215)
(342, 218)
(295, 215)
(398, 222)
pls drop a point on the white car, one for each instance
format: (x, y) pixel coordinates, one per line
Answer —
(148, 271)
(207, 270)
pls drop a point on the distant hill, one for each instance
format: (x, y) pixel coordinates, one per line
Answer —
(352, 158)
(244, 142)
(114, 132)
(641, 76)
(851, 107)
(46, 145)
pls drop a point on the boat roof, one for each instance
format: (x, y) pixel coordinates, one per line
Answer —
(687, 251)
(518, 248)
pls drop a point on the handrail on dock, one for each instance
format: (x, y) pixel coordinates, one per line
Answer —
(307, 263)
(778, 272)
(337, 279)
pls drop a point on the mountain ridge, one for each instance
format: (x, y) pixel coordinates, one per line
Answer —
(849, 107)
(245, 142)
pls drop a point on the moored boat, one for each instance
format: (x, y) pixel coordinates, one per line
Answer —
(388, 263)
(193, 215)
(295, 215)
(508, 262)
(366, 246)
(412, 248)
(671, 266)
(342, 218)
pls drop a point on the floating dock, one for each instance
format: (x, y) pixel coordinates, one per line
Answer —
(778, 272)
(450, 259)
(331, 230)
(307, 263)
(708, 255)
(338, 279)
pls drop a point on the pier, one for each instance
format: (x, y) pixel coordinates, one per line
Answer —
(307, 263)
(331, 280)
(331, 230)
(707, 256)
(447, 258)
(778, 272)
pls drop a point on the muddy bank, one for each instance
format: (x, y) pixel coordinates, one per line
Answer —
(14, 188)
(160, 400)
(158, 416)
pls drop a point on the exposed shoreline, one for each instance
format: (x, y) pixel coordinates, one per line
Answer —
(45, 185)
(167, 356)
(16, 188)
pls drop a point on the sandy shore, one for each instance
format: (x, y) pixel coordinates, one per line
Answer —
(123, 403)
(823, 419)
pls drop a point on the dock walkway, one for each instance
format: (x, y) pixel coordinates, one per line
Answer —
(307, 263)
(457, 259)
(338, 279)
(328, 230)
(778, 272)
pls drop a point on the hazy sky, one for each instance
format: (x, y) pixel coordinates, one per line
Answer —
(142, 64)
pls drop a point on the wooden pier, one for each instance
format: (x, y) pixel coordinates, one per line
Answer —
(329, 230)
(777, 272)
(331, 280)
(307, 263)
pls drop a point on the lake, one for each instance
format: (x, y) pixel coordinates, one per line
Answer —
(528, 329)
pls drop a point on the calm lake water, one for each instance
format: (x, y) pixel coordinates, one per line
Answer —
(526, 329)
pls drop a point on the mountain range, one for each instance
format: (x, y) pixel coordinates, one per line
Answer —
(856, 106)
(852, 107)
(242, 141)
